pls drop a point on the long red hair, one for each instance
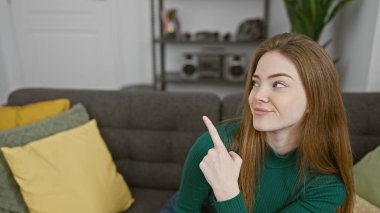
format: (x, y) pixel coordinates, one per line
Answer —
(324, 138)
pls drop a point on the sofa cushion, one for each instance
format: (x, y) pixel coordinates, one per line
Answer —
(363, 114)
(10, 196)
(367, 177)
(363, 206)
(149, 200)
(14, 116)
(71, 171)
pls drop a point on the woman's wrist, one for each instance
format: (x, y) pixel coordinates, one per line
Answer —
(226, 193)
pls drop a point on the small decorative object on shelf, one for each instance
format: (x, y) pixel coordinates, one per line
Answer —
(207, 36)
(251, 30)
(227, 37)
(187, 36)
(171, 24)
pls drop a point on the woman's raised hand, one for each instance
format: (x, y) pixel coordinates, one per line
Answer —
(220, 167)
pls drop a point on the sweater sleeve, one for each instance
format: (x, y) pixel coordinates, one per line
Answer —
(233, 205)
(194, 189)
(325, 194)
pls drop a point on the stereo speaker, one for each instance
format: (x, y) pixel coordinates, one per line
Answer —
(235, 67)
(190, 67)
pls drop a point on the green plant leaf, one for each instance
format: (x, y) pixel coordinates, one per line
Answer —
(325, 7)
(300, 23)
(309, 17)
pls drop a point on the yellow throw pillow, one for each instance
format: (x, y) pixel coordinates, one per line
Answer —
(8, 116)
(71, 171)
(14, 116)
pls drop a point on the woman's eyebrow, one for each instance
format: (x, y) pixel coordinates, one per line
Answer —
(275, 75)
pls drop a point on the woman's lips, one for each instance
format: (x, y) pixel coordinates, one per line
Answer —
(261, 111)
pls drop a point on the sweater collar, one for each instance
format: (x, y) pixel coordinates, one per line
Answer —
(275, 160)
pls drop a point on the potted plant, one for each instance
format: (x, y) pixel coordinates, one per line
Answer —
(309, 17)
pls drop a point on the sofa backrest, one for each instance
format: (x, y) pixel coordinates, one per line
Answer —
(148, 133)
(363, 114)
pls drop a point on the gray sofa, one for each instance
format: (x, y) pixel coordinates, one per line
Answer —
(149, 133)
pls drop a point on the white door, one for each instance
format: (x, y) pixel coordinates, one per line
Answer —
(68, 43)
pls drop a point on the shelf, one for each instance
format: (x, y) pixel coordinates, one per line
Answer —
(175, 77)
(160, 42)
(173, 41)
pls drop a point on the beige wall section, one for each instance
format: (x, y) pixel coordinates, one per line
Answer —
(355, 32)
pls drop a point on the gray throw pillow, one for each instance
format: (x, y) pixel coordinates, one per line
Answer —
(10, 196)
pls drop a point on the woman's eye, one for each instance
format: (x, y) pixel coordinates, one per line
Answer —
(278, 84)
(254, 83)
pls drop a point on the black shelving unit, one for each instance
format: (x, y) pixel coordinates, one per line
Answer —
(161, 76)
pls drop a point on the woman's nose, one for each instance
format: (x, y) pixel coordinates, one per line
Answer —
(261, 95)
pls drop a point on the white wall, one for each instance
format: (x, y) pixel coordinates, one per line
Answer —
(374, 70)
(136, 41)
(5, 53)
(4, 86)
(278, 19)
(354, 43)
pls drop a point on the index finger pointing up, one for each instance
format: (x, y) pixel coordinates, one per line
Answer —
(218, 143)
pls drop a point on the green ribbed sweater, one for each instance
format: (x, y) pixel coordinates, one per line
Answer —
(319, 193)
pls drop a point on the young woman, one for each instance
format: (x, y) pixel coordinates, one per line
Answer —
(289, 151)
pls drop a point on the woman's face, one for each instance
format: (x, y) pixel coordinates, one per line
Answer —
(277, 99)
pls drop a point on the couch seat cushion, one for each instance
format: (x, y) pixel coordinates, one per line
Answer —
(149, 200)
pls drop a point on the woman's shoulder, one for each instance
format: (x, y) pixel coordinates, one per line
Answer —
(319, 178)
(327, 184)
